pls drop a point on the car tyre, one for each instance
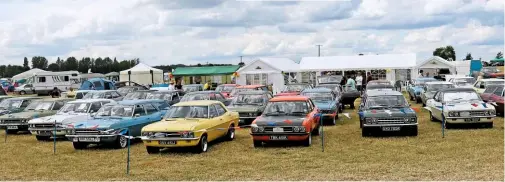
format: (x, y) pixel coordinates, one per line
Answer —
(22, 92)
(411, 98)
(42, 138)
(414, 131)
(121, 142)
(488, 125)
(334, 120)
(12, 132)
(230, 135)
(432, 118)
(418, 101)
(447, 125)
(79, 145)
(307, 142)
(365, 132)
(203, 145)
(257, 144)
(317, 131)
(152, 150)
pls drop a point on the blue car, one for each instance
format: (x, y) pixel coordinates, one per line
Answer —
(325, 100)
(416, 87)
(114, 120)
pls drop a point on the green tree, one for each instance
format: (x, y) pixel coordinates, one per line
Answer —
(84, 65)
(71, 64)
(107, 65)
(499, 55)
(446, 52)
(39, 62)
(469, 56)
(60, 63)
(115, 66)
(53, 67)
(26, 65)
(98, 65)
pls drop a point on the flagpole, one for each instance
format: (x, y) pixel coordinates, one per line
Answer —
(6, 134)
(54, 138)
(443, 122)
(128, 158)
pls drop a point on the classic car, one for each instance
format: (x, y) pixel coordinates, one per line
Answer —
(226, 89)
(3, 97)
(325, 100)
(378, 82)
(460, 106)
(494, 95)
(287, 118)
(138, 95)
(16, 122)
(191, 124)
(129, 84)
(386, 111)
(15, 104)
(293, 89)
(192, 88)
(205, 95)
(349, 95)
(491, 72)
(430, 88)
(416, 87)
(72, 112)
(79, 94)
(171, 96)
(127, 89)
(25, 89)
(243, 88)
(329, 79)
(379, 87)
(481, 85)
(462, 81)
(103, 94)
(113, 121)
(249, 105)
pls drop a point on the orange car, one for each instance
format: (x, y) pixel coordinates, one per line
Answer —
(294, 89)
(226, 89)
(287, 118)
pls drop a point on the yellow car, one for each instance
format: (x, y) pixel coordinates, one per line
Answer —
(191, 124)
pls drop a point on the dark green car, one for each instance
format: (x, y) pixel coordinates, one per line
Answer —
(15, 122)
(249, 105)
(386, 111)
(15, 104)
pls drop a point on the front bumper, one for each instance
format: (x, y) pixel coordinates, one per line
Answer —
(14, 126)
(92, 138)
(390, 127)
(179, 142)
(289, 136)
(60, 132)
(480, 119)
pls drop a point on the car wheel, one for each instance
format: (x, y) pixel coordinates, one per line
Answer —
(414, 131)
(230, 135)
(79, 145)
(411, 98)
(152, 150)
(202, 145)
(12, 131)
(432, 118)
(334, 120)
(307, 142)
(22, 92)
(447, 125)
(318, 130)
(360, 123)
(42, 138)
(364, 132)
(257, 144)
(424, 104)
(121, 142)
(488, 125)
(418, 101)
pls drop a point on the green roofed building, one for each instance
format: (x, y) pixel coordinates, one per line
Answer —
(216, 74)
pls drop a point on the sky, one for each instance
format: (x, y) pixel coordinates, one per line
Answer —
(162, 32)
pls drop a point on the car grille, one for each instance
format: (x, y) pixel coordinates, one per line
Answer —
(390, 120)
(86, 132)
(167, 135)
(327, 111)
(245, 114)
(44, 126)
(11, 121)
(478, 113)
(286, 129)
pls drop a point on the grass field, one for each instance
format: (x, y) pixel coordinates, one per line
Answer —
(464, 154)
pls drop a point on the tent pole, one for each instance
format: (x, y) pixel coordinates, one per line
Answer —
(152, 76)
(129, 76)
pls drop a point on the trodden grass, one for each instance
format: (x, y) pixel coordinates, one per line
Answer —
(464, 154)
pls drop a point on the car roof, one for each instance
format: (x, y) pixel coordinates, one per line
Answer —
(461, 76)
(382, 92)
(426, 78)
(143, 91)
(101, 91)
(229, 84)
(203, 92)
(374, 86)
(24, 98)
(379, 81)
(317, 90)
(166, 91)
(132, 86)
(289, 98)
(297, 84)
(198, 103)
(253, 92)
(250, 86)
(58, 99)
(439, 83)
(492, 79)
(89, 100)
(135, 102)
(79, 91)
(457, 90)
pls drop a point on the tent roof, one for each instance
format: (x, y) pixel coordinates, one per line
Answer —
(205, 70)
(281, 64)
(497, 60)
(384, 61)
(27, 74)
(112, 74)
(435, 60)
(141, 67)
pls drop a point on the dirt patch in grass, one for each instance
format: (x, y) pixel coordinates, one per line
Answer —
(464, 154)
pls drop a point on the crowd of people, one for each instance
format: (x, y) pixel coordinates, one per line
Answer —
(356, 82)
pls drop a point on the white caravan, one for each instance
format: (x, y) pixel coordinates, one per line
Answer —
(43, 83)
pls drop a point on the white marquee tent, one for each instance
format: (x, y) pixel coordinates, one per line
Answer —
(432, 65)
(267, 70)
(141, 74)
(27, 74)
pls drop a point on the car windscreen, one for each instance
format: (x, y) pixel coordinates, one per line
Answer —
(293, 108)
(461, 96)
(75, 108)
(319, 96)
(198, 96)
(94, 95)
(190, 88)
(136, 95)
(10, 103)
(295, 88)
(494, 89)
(498, 82)
(249, 99)
(40, 105)
(159, 95)
(187, 112)
(116, 110)
(330, 79)
(235, 91)
(422, 82)
(125, 90)
(437, 87)
(224, 88)
(465, 80)
(386, 101)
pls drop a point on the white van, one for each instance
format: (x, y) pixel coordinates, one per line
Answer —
(43, 83)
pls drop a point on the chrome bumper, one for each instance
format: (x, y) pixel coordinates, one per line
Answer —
(167, 139)
(380, 125)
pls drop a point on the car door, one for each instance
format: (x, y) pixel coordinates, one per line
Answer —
(221, 98)
(436, 105)
(139, 120)
(224, 118)
(313, 119)
(216, 128)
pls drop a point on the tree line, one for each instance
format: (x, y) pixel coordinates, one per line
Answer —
(97, 65)
(449, 54)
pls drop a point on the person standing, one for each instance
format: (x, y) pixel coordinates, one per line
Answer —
(420, 75)
(178, 86)
(171, 86)
(359, 82)
(369, 78)
(55, 93)
(351, 83)
(343, 81)
(207, 85)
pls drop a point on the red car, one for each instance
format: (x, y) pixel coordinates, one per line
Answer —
(293, 89)
(226, 89)
(287, 118)
(494, 95)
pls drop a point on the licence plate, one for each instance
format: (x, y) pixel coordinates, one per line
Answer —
(472, 119)
(278, 137)
(391, 128)
(278, 129)
(167, 142)
(12, 127)
(241, 121)
(89, 139)
(44, 133)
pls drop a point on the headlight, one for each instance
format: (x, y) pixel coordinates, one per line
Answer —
(187, 134)
(254, 129)
(412, 120)
(302, 129)
(261, 129)
(492, 112)
(71, 131)
(374, 120)
(454, 114)
(368, 120)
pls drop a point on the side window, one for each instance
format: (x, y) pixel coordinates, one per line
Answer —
(42, 79)
(79, 95)
(482, 85)
(477, 84)
(310, 105)
(150, 109)
(265, 88)
(57, 105)
(95, 106)
(219, 96)
(139, 110)
(212, 111)
(161, 105)
(104, 102)
(25, 103)
(220, 109)
(108, 95)
(66, 78)
(212, 96)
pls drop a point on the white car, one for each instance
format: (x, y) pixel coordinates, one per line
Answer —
(460, 106)
(72, 112)
(480, 85)
(430, 88)
(462, 81)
